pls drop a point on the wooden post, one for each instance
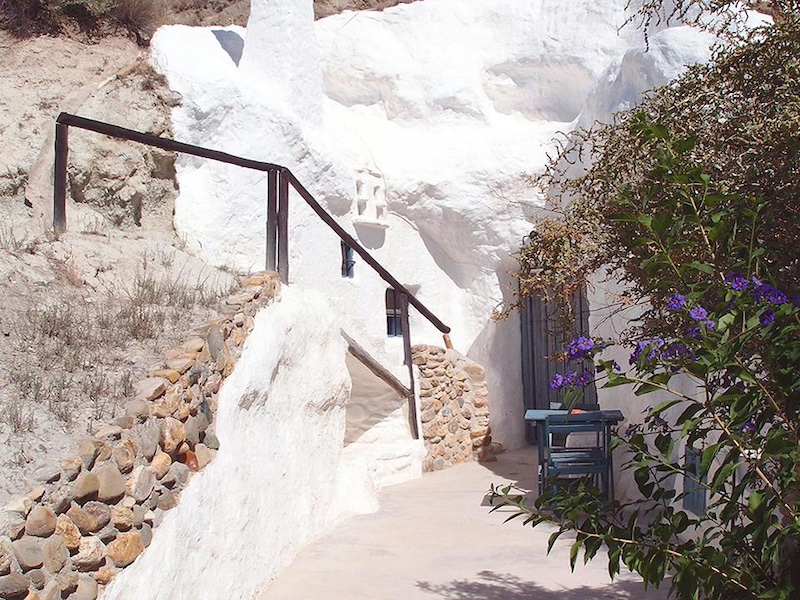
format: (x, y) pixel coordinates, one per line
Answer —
(60, 179)
(412, 399)
(272, 219)
(283, 226)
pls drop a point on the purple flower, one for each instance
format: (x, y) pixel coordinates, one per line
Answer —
(772, 295)
(675, 350)
(736, 281)
(584, 379)
(766, 317)
(677, 302)
(694, 333)
(557, 381)
(710, 325)
(698, 313)
(749, 427)
(580, 347)
(642, 345)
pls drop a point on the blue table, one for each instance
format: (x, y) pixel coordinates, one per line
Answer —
(538, 418)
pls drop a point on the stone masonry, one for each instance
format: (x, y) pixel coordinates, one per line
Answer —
(454, 408)
(95, 512)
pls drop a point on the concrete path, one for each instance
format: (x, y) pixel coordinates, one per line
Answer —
(435, 539)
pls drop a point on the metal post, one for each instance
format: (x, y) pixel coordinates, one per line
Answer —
(272, 219)
(60, 179)
(412, 400)
(283, 226)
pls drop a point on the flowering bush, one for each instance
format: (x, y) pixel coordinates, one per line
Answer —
(721, 358)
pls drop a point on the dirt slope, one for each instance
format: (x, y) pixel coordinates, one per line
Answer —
(87, 314)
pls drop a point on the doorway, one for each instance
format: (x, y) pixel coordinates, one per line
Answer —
(544, 334)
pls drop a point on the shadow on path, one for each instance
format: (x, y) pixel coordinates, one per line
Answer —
(490, 585)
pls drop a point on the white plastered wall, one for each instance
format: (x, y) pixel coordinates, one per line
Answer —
(435, 115)
(277, 480)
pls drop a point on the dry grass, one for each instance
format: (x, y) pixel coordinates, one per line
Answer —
(26, 18)
(71, 355)
(13, 244)
(140, 14)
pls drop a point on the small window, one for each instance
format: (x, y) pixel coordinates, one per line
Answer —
(394, 313)
(348, 261)
(694, 498)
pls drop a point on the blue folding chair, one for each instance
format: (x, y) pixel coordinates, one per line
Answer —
(587, 457)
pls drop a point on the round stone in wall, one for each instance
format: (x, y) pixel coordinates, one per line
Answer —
(13, 586)
(41, 522)
(124, 550)
(28, 551)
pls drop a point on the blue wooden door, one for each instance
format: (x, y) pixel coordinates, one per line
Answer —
(544, 337)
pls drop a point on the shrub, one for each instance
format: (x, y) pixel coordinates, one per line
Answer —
(724, 370)
(736, 117)
(32, 17)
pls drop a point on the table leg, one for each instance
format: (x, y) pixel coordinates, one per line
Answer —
(541, 431)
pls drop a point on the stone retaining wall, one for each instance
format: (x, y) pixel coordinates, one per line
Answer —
(454, 408)
(95, 512)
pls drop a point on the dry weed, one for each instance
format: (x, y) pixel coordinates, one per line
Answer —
(13, 244)
(17, 415)
(75, 377)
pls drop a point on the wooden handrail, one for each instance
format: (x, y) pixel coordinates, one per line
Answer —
(275, 205)
(160, 142)
(362, 252)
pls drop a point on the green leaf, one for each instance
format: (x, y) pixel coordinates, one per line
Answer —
(646, 388)
(658, 131)
(551, 541)
(661, 222)
(702, 267)
(683, 145)
(754, 502)
(573, 554)
(664, 406)
(725, 321)
(721, 476)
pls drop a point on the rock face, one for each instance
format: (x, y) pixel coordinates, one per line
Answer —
(28, 551)
(69, 532)
(55, 553)
(141, 483)
(91, 554)
(86, 486)
(13, 586)
(111, 483)
(126, 184)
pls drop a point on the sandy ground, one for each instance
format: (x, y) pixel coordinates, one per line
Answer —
(60, 375)
(435, 538)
